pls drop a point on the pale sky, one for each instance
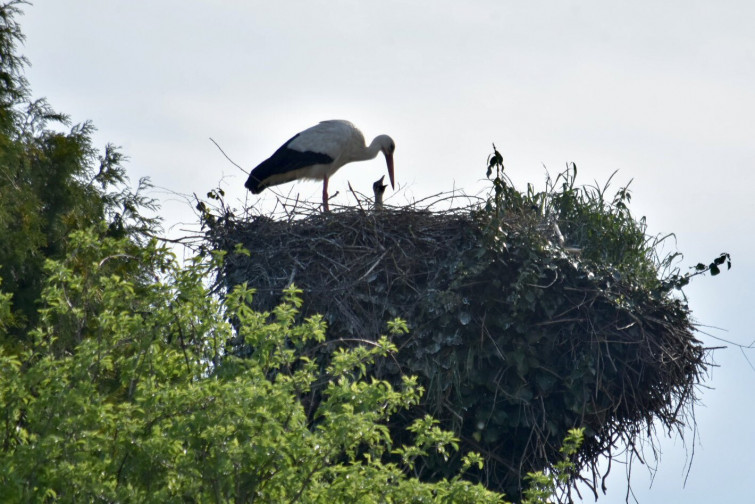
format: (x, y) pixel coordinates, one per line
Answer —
(660, 91)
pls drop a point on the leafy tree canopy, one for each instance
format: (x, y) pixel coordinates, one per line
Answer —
(137, 411)
(52, 181)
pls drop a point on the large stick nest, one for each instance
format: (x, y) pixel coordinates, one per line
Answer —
(514, 339)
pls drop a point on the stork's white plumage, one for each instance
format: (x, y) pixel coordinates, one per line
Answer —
(317, 153)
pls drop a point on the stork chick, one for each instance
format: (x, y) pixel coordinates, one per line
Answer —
(379, 189)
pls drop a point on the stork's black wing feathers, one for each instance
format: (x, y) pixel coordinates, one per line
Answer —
(284, 160)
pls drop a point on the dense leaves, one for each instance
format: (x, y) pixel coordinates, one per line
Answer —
(52, 182)
(136, 411)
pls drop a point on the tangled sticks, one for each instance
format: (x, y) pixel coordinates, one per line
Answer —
(514, 339)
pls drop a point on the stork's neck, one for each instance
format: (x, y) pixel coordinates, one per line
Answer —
(370, 151)
(379, 199)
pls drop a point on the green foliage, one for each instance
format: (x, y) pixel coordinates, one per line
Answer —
(543, 486)
(599, 226)
(13, 86)
(52, 183)
(135, 410)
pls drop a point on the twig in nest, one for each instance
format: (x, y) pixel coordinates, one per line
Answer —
(355, 196)
(226, 156)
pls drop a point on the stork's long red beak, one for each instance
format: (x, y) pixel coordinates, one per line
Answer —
(389, 161)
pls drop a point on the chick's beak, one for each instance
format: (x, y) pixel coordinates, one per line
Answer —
(378, 185)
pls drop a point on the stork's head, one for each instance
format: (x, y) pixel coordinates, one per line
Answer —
(378, 187)
(387, 146)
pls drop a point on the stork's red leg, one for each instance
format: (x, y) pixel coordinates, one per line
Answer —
(325, 207)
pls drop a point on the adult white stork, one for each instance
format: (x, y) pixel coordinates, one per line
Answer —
(317, 153)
